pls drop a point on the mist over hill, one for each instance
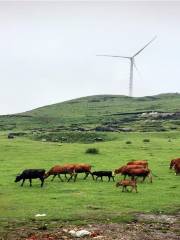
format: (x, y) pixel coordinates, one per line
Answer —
(102, 113)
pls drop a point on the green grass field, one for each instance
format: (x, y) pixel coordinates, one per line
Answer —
(87, 200)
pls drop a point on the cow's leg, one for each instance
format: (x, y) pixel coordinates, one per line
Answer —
(23, 182)
(30, 181)
(96, 178)
(60, 178)
(92, 175)
(86, 175)
(75, 176)
(53, 177)
(102, 178)
(71, 175)
(150, 177)
(144, 177)
(66, 176)
(136, 189)
(113, 178)
(42, 181)
(123, 188)
(109, 178)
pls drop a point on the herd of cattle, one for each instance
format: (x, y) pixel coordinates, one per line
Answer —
(134, 169)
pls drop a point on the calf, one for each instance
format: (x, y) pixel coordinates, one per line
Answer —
(31, 174)
(102, 174)
(126, 183)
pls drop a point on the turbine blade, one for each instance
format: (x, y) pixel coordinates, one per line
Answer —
(134, 64)
(105, 55)
(145, 46)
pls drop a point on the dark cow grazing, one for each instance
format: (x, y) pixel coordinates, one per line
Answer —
(173, 162)
(102, 174)
(31, 174)
(177, 168)
(126, 183)
(143, 163)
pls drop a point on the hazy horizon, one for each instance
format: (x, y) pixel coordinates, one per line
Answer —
(48, 50)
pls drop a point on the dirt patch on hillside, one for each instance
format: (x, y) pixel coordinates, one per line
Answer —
(146, 227)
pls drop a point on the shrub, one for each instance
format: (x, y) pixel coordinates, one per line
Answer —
(128, 142)
(92, 151)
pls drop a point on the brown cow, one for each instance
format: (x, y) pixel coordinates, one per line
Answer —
(72, 168)
(173, 162)
(57, 170)
(81, 168)
(135, 171)
(177, 167)
(143, 163)
(126, 167)
(126, 183)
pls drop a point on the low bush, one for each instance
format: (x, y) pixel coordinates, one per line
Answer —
(92, 151)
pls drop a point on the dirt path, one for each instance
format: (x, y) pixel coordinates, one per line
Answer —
(147, 227)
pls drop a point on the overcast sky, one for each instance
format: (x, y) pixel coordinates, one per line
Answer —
(48, 50)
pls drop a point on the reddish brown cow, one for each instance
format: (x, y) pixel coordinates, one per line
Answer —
(126, 183)
(173, 162)
(57, 170)
(134, 171)
(81, 168)
(143, 163)
(73, 169)
(177, 167)
(127, 167)
(138, 172)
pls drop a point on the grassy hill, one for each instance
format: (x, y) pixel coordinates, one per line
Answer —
(109, 112)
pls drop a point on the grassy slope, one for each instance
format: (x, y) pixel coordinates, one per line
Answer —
(90, 110)
(87, 200)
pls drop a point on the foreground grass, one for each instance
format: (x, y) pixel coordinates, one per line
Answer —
(87, 200)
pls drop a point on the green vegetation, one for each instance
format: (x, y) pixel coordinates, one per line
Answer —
(87, 200)
(71, 137)
(119, 129)
(103, 112)
(92, 151)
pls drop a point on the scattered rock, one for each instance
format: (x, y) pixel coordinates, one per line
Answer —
(81, 233)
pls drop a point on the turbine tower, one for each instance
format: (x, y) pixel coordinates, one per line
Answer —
(132, 64)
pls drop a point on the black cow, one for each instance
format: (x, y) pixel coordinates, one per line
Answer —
(102, 174)
(31, 174)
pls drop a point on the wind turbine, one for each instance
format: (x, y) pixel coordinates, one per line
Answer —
(132, 64)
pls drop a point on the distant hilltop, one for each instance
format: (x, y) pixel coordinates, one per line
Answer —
(101, 112)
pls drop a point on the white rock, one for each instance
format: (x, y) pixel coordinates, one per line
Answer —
(40, 215)
(80, 233)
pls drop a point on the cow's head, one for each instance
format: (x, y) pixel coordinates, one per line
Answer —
(171, 164)
(18, 178)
